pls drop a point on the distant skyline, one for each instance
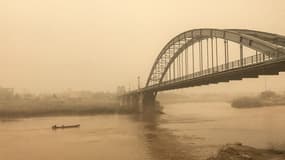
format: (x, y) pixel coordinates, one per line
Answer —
(51, 46)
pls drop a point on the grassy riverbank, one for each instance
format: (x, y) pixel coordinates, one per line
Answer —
(58, 105)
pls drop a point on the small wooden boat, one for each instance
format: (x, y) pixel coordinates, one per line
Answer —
(65, 126)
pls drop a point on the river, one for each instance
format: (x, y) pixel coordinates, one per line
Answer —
(186, 131)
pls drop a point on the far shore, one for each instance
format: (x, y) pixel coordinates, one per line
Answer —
(61, 104)
(264, 99)
(64, 111)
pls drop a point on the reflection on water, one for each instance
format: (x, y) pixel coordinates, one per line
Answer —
(164, 143)
(185, 131)
(160, 142)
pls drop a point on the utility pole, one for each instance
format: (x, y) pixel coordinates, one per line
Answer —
(139, 82)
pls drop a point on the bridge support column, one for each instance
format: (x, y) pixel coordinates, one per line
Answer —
(133, 102)
(148, 102)
(122, 101)
(140, 102)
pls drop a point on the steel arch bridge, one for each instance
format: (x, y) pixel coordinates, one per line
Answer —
(203, 56)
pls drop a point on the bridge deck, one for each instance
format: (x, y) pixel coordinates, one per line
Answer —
(250, 67)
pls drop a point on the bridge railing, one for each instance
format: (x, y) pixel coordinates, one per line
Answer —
(247, 61)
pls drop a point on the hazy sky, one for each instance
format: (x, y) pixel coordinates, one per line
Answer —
(53, 45)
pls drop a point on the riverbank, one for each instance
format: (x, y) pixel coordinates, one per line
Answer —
(67, 103)
(242, 152)
(266, 98)
(58, 105)
(62, 110)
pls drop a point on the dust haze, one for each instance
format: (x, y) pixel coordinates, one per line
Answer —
(62, 59)
(52, 46)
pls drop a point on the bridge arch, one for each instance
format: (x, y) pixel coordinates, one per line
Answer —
(266, 43)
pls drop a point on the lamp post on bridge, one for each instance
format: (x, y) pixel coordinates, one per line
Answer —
(139, 82)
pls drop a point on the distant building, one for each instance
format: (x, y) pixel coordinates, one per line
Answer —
(6, 93)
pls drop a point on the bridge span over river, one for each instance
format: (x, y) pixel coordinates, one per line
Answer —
(206, 56)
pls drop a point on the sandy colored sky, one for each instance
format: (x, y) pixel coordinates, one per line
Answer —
(96, 45)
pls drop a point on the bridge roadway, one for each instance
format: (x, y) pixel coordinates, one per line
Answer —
(264, 62)
(222, 73)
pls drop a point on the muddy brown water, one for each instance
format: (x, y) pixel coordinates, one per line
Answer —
(186, 131)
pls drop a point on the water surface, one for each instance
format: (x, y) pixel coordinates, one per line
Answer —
(186, 131)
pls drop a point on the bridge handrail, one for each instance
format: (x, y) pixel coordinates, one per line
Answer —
(255, 59)
(247, 61)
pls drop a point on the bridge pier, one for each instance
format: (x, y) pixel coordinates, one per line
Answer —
(148, 100)
(140, 102)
